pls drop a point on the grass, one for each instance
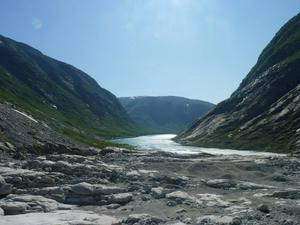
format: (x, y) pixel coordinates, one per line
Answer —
(78, 115)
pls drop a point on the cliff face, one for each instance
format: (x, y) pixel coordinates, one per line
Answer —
(264, 112)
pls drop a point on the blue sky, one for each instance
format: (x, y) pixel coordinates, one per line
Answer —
(199, 49)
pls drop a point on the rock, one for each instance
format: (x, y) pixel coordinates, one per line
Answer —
(295, 153)
(227, 184)
(106, 190)
(121, 198)
(263, 208)
(10, 146)
(3, 146)
(188, 220)
(5, 188)
(145, 198)
(6, 146)
(289, 222)
(133, 175)
(30, 202)
(171, 203)
(83, 188)
(94, 189)
(46, 204)
(158, 192)
(82, 200)
(57, 193)
(62, 217)
(251, 186)
(236, 221)
(279, 178)
(113, 206)
(173, 180)
(220, 183)
(176, 223)
(178, 196)
(111, 149)
(14, 208)
(288, 194)
(142, 219)
(1, 212)
(23, 178)
(213, 200)
(181, 211)
(95, 194)
(213, 219)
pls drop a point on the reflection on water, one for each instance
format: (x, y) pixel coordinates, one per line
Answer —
(164, 142)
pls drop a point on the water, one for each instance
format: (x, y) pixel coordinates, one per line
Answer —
(164, 142)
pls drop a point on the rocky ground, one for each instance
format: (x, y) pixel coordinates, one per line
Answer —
(117, 186)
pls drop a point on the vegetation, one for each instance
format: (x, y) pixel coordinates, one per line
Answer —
(67, 99)
(164, 114)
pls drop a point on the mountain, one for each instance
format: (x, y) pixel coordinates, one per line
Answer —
(264, 112)
(164, 114)
(64, 97)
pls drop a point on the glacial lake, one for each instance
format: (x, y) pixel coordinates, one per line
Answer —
(164, 142)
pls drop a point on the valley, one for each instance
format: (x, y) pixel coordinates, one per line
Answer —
(72, 153)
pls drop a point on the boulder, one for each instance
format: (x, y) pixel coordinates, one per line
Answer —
(83, 188)
(121, 198)
(251, 186)
(57, 193)
(113, 206)
(263, 208)
(215, 220)
(81, 200)
(17, 204)
(220, 183)
(142, 219)
(23, 178)
(227, 184)
(287, 194)
(279, 178)
(37, 203)
(95, 194)
(106, 190)
(5, 188)
(94, 189)
(179, 196)
(14, 208)
(172, 180)
(158, 192)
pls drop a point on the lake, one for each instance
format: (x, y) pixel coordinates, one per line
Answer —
(164, 142)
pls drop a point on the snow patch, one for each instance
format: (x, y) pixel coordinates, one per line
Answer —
(27, 116)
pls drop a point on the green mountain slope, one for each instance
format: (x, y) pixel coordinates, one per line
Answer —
(164, 114)
(264, 112)
(66, 98)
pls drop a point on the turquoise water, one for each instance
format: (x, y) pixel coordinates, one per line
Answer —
(164, 142)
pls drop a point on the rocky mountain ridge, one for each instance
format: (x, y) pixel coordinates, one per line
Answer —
(264, 112)
(164, 114)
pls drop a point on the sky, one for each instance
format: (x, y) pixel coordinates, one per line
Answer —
(200, 49)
